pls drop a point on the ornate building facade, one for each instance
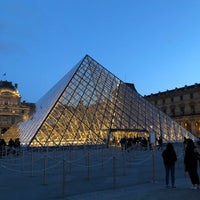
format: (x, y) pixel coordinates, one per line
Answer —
(182, 105)
(12, 110)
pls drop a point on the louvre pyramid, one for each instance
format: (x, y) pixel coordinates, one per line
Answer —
(88, 105)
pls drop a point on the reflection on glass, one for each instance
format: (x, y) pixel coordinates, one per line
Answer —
(87, 105)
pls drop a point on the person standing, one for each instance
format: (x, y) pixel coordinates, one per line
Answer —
(169, 159)
(198, 150)
(160, 143)
(191, 161)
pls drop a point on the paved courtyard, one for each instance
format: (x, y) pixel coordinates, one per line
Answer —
(91, 174)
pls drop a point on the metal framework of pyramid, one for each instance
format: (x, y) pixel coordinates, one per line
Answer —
(90, 104)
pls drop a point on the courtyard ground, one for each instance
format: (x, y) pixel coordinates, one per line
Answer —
(104, 173)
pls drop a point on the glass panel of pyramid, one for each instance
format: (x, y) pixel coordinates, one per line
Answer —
(90, 105)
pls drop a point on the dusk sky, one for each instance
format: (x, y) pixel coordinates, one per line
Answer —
(154, 44)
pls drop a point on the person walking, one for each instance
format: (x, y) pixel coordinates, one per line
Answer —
(169, 159)
(191, 163)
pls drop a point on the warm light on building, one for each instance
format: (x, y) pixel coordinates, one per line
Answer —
(181, 104)
(12, 110)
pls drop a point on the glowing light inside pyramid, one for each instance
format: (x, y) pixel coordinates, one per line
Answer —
(90, 103)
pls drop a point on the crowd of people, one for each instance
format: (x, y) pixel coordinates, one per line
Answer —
(12, 147)
(191, 162)
(128, 143)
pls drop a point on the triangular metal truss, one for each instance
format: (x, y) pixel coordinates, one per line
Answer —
(88, 105)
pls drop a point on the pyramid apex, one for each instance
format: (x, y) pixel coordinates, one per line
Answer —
(87, 55)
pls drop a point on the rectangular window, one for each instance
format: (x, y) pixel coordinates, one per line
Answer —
(173, 111)
(164, 110)
(182, 110)
(192, 109)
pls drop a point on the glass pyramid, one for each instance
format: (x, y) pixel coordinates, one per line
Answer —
(90, 105)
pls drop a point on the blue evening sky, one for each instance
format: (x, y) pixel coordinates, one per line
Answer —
(154, 44)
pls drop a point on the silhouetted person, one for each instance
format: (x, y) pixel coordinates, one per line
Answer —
(11, 145)
(2, 147)
(198, 151)
(17, 145)
(190, 161)
(123, 143)
(169, 159)
(144, 143)
(160, 143)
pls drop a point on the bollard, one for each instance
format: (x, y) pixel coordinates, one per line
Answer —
(32, 163)
(23, 160)
(2, 151)
(114, 172)
(102, 163)
(63, 179)
(153, 164)
(44, 175)
(124, 162)
(88, 165)
(70, 162)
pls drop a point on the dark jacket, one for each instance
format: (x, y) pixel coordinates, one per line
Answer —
(191, 156)
(169, 155)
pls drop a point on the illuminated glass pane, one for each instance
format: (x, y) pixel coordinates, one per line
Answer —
(87, 104)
